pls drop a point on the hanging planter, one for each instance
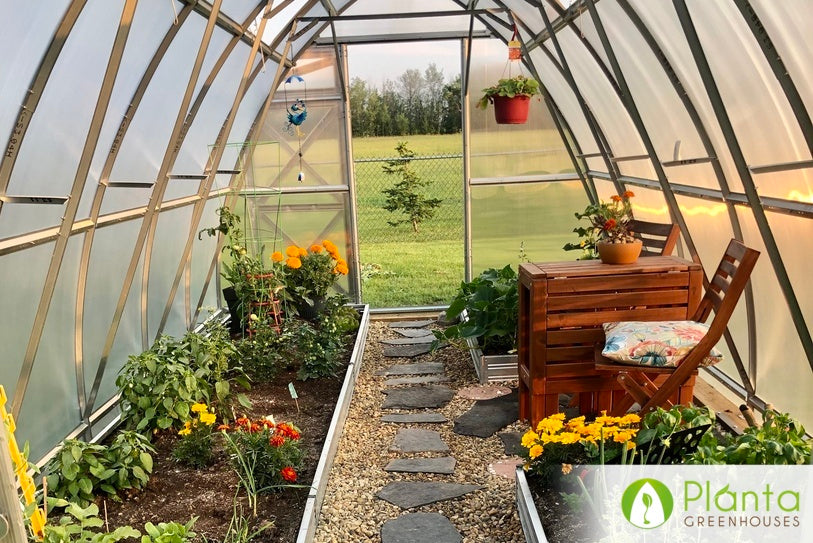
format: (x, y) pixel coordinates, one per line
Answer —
(511, 98)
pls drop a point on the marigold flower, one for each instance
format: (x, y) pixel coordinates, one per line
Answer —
(277, 440)
(254, 428)
(342, 269)
(293, 263)
(567, 468)
(331, 248)
(302, 252)
(223, 428)
(615, 198)
(242, 421)
(535, 451)
(529, 438)
(277, 256)
(316, 248)
(208, 418)
(628, 194)
(288, 473)
(185, 432)
(199, 408)
(292, 251)
(630, 445)
(610, 224)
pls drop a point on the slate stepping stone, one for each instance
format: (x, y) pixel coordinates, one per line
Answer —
(419, 397)
(483, 392)
(419, 528)
(442, 321)
(444, 465)
(488, 416)
(412, 369)
(409, 340)
(409, 494)
(512, 441)
(410, 324)
(432, 417)
(420, 380)
(414, 332)
(407, 351)
(410, 440)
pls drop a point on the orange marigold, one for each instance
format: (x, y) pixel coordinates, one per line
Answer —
(292, 251)
(288, 473)
(277, 256)
(331, 248)
(293, 262)
(303, 252)
(615, 198)
(629, 194)
(316, 248)
(342, 269)
(277, 440)
(223, 428)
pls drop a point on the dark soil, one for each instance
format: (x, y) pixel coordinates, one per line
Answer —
(177, 492)
(561, 522)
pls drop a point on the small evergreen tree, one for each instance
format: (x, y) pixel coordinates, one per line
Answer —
(404, 196)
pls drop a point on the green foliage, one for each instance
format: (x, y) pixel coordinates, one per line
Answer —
(159, 386)
(608, 221)
(780, 439)
(509, 87)
(340, 319)
(196, 446)
(81, 471)
(404, 197)
(658, 426)
(81, 524)
(263, 354)
(317, 348)
(169, 532)
(491, 302)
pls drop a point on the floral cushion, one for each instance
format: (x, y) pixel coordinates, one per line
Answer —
(663, 343)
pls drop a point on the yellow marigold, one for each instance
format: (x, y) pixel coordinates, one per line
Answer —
(631, 418)
(578, 422)
(277, 256)
(529, 439)
(293, 262)
(622, 437)
(557, 416)
(567, 468)
(630, 445)
(303, 252)
(342, 269)
(208, 418)
(567, 438)
(199, 408)
(316, 248)
(549, 425)
(604, 419)
(535, 451)
(185, 432)
(292, 251)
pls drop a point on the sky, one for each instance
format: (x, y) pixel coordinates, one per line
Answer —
(376, 63)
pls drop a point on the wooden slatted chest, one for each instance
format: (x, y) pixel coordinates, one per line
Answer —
(562, 306)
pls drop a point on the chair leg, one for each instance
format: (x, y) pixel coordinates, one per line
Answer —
(634, 389)
(621, 404)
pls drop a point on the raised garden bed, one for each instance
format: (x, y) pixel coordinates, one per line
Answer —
(176, 492)
(492, 368)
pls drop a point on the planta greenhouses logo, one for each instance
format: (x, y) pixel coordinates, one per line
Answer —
(647, 503)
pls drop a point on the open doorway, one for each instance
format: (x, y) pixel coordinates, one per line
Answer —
(408, 162)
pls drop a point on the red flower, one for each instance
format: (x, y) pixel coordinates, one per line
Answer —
(615, 198)
(243, 422)
(288, 431)
(267, 423)
(223, 428)
(289, 474)
(610, 224)
(277, 440)
(629, 194)
(254, 428)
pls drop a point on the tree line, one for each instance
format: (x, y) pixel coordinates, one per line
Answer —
(415, 103)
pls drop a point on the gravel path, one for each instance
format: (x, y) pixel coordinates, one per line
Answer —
(351, 513)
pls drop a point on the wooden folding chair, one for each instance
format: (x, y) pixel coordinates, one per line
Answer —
(721, 296)
(658, 238)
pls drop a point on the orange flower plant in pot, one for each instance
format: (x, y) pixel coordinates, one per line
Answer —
(608, 235)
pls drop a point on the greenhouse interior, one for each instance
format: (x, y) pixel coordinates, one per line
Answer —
(215, 254)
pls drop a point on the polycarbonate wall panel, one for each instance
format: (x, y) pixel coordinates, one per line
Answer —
(23, 45)
(143, 148)
(538, 216)
(509, 150)
(663, 22)
(783, 372)
(238, 10)
(61, 120)
(277, 24)
(766, 128)
(51, 402)
(109, 259)
(203, 250)
(18, 306)
(170, 236)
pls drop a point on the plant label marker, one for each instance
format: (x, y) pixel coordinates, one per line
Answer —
(294, 395)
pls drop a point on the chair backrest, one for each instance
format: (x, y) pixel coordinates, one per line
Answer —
(725, 288)
(658, 238)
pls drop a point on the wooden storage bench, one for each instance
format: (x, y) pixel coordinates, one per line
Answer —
(562, 306)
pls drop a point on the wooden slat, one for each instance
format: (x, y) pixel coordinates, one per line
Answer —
(572, 369)
(587, 336)
(586, 268)
(728, 267)
(617, 299)
(579, 284)
(585, 384)
(558, 354)
(562, 320)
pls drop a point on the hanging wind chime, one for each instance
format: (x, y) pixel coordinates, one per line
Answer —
(297, 112)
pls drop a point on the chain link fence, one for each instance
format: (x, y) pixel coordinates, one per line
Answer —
(401, 267)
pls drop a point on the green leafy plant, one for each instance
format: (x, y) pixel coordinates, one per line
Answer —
(81, 524)
(609, 222)
(169, 532)
(264, 353)
(404, 197)
(780, 439)
(317, 348)
(196, 446)
(658, 427)
(509, 87)
(158, 386)
(81, 471)
(491, 303)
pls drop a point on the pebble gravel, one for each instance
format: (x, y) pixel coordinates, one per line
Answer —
(351, 513)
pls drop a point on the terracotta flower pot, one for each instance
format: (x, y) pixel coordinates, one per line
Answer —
(619, 253)
(511, 110)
